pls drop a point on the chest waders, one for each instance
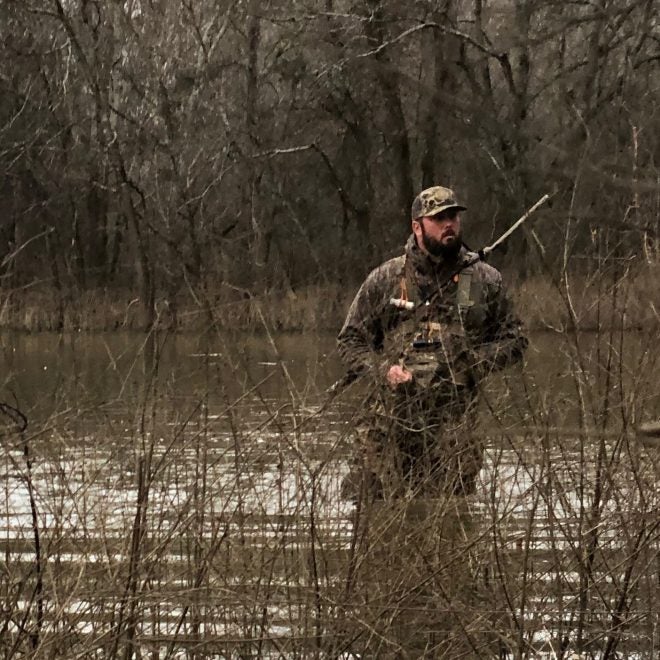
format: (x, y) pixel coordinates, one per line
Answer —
(424, 335)
(413, 438)
(429, 333)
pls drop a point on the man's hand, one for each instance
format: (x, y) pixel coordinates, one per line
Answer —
(398, 375)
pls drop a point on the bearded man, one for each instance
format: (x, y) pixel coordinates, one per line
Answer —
(425, 328)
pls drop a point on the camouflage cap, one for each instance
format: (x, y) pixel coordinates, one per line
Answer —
(433, 201)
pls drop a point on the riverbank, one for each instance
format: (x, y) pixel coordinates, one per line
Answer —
(600, 301)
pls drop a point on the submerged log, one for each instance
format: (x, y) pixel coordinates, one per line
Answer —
(649, 433)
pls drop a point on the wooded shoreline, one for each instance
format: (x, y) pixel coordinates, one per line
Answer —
(542, 304)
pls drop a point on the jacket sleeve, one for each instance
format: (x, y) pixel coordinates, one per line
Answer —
(360, 341)
(504, 341)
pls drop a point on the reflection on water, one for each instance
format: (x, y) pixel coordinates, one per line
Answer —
(47, 371)
(187, 504)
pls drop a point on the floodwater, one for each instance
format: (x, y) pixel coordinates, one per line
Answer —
(178, 496)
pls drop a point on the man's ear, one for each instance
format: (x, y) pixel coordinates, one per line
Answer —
(417, 228)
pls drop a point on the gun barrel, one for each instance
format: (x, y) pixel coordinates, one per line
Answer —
(515, 225)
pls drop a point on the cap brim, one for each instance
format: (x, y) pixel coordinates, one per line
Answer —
(440, 209)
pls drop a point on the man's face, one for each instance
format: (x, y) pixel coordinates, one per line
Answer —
(439, 235)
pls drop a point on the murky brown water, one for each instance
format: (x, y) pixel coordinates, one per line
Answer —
(186, 494)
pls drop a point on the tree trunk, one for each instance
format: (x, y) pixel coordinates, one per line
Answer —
(438, 52)
(395, 121)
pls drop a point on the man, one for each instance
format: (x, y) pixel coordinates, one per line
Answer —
(425, 328)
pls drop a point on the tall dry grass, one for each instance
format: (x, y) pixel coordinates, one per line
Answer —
(308, 309)
(322, 307)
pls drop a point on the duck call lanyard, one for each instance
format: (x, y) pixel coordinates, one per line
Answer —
(409, 275)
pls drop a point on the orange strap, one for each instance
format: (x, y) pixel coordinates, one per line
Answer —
(404, 289)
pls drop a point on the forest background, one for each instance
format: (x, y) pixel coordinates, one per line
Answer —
(183, 162)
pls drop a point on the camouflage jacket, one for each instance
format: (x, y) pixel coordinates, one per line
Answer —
(416, 301)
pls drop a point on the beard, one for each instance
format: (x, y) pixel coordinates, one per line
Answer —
(448, 251)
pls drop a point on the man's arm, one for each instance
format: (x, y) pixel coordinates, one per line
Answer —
(361, 338)
(360, 341)
(504, 338)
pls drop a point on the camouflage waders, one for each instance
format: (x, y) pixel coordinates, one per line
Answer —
(412, 587)
(449, 330)
(415, 441)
